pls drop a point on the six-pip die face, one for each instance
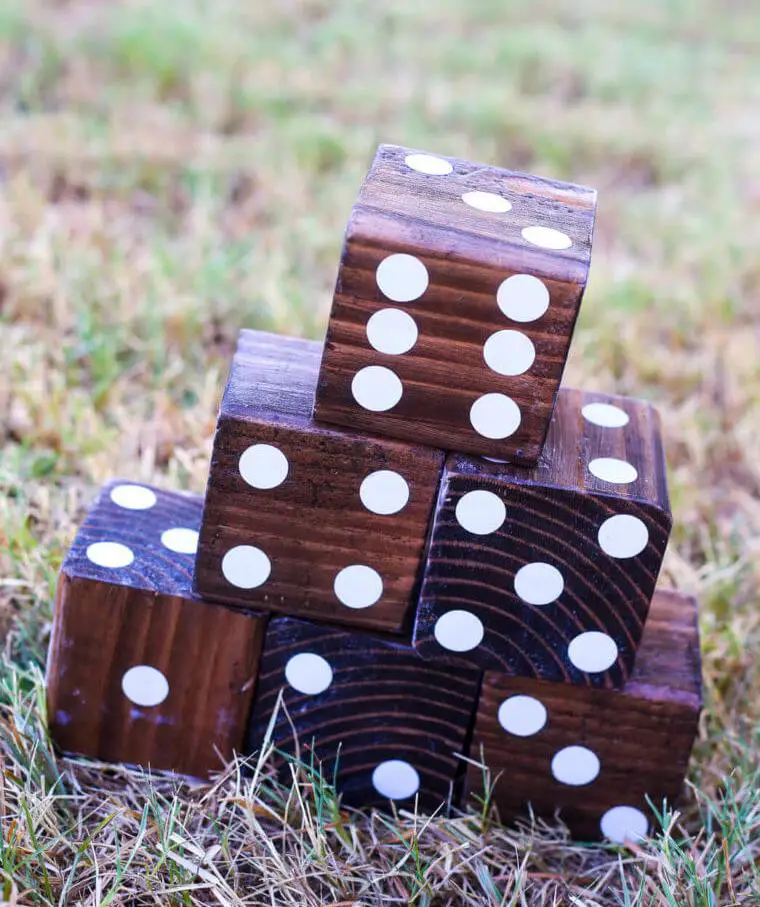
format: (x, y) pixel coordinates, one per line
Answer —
(457, 295)
(550, 572)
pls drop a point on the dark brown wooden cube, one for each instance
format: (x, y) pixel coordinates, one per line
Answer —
(392, 723)
(140, 670)
(457, 295)
(308, 519)
(601, 759)
(549, 572)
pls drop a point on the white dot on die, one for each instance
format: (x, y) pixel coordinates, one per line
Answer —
(624, 823)
(180, 540)
(522, 716)
(612, 470)
(495, 416)
(110, 554)
(358, 586)
(428, 163)
(376, 388)
(480, 512)
(522, 297)
(395, 779)
(539, 583)
(402, 277)
(133, 497)
(623, 536)
(308, 673)
(263, 466)
(392, 331)
(384, 492)
(458, 631)
(546, 238)
(575, 765)
(487, 201)
(145, 685)
(592, 652)
(246, 567)
(509, 352)
(605, 414)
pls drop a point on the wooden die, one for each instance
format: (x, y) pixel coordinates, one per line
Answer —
(605, 761)
(549, 572)
(140, 670)
(457, 294)
(309, 519)
(392, 724)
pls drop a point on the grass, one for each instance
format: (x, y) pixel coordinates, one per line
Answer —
(174, 171)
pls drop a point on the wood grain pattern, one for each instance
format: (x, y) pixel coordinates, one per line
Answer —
(123, 636)
(468, 254)
(549, 569)
(373, 702)
(641, 735)
(311, 520)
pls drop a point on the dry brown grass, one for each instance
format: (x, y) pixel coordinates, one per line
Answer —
(172, 172)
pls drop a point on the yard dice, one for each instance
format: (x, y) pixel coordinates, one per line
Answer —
(606, 761)
(140, 670)
(457, 294)
(381, 722)
(309, 519)
(549, 572)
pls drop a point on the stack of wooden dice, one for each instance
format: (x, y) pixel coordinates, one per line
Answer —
(416, 553)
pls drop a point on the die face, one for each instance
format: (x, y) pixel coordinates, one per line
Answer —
(532, 594)
(140, 537)
(528, 575)
(308, 520)
(483, 202)
(139, 672)
(603, 445)
(597, 756)
(393, 722)
(446, 329)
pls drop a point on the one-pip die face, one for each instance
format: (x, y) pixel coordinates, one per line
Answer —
(140, 669)
(550, 572)
(458, 291)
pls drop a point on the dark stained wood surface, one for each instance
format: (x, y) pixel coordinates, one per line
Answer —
(553, 515)
(313, 524)
(641, 736)
(383, 704)
(468, 254)
(111, 620)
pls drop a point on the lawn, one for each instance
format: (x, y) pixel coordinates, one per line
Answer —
(171, 172)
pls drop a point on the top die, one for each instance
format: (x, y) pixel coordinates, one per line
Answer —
(458, 290)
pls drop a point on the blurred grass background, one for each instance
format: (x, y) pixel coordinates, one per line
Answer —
(171, 172)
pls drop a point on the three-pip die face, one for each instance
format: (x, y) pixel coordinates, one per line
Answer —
(457, 295)
(605, 760)
(550, 572)
(309, 519)
(140, 670)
